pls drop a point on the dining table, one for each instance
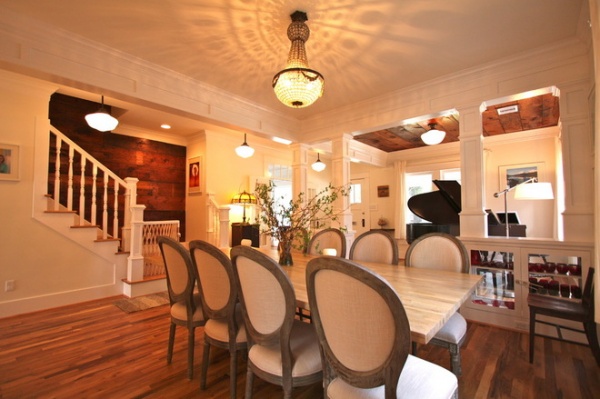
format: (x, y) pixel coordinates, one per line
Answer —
(430, 297)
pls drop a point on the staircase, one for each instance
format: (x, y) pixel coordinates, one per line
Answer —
(93, 207)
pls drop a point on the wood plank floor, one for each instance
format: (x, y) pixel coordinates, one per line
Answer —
(94, 350)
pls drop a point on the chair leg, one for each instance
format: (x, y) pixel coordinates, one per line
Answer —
(531, 334)
(205, 360)
(592, 336)
(191, 353)
(233, 374)
(171, 341)
(455, 359)
(249, 383)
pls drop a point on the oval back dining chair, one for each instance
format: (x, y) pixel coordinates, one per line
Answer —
(375, 246)
(186, 308)
(364, 335)
(281, 349)
(224, 325)
(443, 251)
(328, 238)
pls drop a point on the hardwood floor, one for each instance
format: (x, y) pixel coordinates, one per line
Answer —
(94, 350)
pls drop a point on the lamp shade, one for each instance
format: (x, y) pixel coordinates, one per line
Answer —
(318, 165)
(244, 151)
(101, 120)
(243, 198)
(433, 136)
(534, 191)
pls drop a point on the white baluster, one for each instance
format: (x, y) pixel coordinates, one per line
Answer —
(70, 180)
(82, 206)
(105, 207)
(57, 175)
(94, 189)
(116, 212)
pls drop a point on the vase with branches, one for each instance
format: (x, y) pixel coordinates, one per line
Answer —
(290, 221)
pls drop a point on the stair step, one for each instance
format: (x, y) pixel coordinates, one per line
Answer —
(60, 211)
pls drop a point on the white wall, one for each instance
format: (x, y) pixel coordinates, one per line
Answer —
(48, 269)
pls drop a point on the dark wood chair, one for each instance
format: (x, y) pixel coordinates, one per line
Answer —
(582, 312)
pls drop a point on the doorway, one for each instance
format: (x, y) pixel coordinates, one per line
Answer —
(359, 204)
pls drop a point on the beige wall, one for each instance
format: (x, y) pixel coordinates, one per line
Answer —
(48, 269)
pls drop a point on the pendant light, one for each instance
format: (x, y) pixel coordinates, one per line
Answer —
(433, 136)
(318, 165)
(101, 120)
(297, 85)
(244, 151)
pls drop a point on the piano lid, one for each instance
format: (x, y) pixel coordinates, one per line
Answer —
(438, 207)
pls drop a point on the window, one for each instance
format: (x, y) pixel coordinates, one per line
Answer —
(355, 193)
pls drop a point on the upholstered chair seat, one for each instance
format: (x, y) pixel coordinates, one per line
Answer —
(186, 306)
(364, 336)
(441, 251)
(281, 349)
(217, 290)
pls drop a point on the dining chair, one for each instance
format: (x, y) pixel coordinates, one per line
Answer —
(375, 246)
(328, 238)
(441, 251)
(281, 349)
(582, 312)
(224, 325)
(186, 307)
(364, 336)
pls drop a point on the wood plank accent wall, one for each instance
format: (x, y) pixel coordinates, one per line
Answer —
(160, 167)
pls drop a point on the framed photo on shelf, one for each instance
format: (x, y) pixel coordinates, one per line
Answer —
(511, 175)
(195, 179)
(9, 162)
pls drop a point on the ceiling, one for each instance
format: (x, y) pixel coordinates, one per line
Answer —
(364, 49)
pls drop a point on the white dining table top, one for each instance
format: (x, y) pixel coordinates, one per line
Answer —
(430, 297)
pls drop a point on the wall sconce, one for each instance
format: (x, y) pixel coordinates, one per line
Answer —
(318, 165)
(244, 151)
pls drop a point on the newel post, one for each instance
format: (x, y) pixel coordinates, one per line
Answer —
(135, 261)
(224, 226)
(130, 201)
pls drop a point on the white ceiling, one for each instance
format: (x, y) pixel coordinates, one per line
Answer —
(363, 48)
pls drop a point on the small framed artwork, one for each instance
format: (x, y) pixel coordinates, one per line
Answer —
(383, 191)
(9, 162)
(511, 175)
(195, 175)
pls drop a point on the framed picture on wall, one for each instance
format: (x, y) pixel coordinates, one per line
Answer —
(511, 175)
(383, 191)
(195, 179)
(9, 162)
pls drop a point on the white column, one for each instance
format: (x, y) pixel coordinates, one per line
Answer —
(299, 169)
(472, 217)
(578, 162)
(135, 261)
(340, 175)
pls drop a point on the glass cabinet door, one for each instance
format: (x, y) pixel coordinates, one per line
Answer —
(497, 288)
(557, 275)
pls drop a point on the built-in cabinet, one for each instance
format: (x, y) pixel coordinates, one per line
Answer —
(513, 267)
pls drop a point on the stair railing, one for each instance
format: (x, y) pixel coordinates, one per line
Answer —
(102, 196)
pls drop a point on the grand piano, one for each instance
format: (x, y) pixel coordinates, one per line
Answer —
(442, 209)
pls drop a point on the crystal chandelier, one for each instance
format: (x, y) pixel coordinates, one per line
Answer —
(297, 85)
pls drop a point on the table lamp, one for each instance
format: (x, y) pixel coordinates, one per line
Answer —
(244, 198)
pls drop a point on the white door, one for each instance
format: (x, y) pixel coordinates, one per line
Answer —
(359, 204)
